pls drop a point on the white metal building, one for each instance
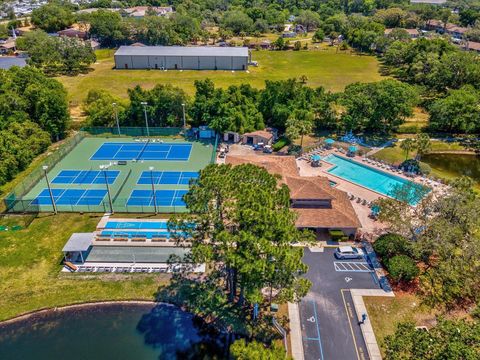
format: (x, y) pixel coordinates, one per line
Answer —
(182, 57)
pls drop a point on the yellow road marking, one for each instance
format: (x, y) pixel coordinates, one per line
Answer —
(349, 311)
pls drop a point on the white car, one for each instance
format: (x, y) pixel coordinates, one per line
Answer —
(348, 252)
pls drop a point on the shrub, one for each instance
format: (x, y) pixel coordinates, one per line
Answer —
(424, 168)
(389, 245)
(403, 268)
(281, 142)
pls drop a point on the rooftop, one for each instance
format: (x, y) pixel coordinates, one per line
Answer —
(6, 62)
(182, 51)
(78, 242)
(340, 214)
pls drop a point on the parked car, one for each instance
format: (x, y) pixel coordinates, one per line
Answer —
(267, 149)
(348, 252)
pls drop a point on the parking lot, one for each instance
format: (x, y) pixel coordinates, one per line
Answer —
(330, 328)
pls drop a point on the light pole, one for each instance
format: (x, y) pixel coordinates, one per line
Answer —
(146, 119)
(45, 168)
(116, 116)
(184, 121)
(153, 190)
(103, 168)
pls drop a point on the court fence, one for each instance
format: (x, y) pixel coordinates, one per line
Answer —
(17, 194)
(132, 131)
(119, 205)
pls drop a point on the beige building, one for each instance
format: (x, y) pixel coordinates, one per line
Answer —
(257, 137)
(319, 206)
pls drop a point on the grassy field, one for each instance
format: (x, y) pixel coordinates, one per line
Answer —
(322, 67)
(396, 155)
(385, 313)
(30, 269)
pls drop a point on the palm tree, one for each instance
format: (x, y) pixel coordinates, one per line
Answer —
(423, 145)
(407, 145)
(299, 124)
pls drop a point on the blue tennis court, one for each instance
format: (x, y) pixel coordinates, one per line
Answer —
(130, 234)
(71, 197)
(143, 151)
(167, 177)
(85, 177)
(163, 198)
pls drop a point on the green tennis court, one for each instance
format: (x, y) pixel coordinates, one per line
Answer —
(90, 169)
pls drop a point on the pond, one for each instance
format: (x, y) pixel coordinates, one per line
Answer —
(113, 331)
(454, 165)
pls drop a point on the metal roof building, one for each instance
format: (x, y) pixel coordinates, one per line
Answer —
(182, 58)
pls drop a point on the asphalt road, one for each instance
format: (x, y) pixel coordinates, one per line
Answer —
(330, 328)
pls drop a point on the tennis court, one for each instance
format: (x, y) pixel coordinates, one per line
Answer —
(70, 197)
(143, 151)
(167, 177)
(85, 177)
(78, 179)
(162, 198)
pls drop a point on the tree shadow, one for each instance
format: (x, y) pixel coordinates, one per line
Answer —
(181, 335)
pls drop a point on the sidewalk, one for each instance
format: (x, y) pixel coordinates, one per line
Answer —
(367, 329)
(295, 332)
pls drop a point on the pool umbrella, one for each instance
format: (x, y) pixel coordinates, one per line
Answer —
(352, 149)
(329, 141)
(315, 158)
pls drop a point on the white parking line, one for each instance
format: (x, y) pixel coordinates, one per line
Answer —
(347, 266)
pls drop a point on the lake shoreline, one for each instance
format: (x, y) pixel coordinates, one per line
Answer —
(45, 311)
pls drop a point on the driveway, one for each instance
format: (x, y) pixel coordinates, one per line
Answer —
(330, 329)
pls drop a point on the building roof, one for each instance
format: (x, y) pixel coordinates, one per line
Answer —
(410, 31)
(434, 2)
(137, 254)
(6, 62)
(72, 33)
(472, 45)
(340, 215)
(78, 242)
(261, 133)
(182, 51)
(309, 187)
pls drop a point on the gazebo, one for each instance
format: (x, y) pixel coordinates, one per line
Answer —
(329, 142)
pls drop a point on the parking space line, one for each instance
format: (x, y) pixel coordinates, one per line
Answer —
(350, 323)
(318, 328)
(346, 266)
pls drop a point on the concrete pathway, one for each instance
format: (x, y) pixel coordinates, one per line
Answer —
(367, 329)
(295, 332)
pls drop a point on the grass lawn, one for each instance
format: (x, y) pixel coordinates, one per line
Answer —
(385, 313)
(322, 67)
(396, 155)
(30, 269)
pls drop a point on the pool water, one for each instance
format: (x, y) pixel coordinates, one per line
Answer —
(120, 332)
(366, 176)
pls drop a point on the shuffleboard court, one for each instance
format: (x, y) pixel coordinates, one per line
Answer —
(133, 225)
(70, 197)
(162, 197)
(143, 151)
(167, 177)
(85, 177)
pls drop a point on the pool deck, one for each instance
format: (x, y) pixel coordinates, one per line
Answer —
(370, 227)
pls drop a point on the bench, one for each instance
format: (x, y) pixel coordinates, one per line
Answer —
(70, 266)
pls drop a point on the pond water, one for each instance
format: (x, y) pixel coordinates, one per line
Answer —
(114, 331)
(455, 165)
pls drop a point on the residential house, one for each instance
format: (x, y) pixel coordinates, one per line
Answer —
(142, 11)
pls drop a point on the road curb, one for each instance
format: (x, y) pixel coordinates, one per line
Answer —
(367, 329)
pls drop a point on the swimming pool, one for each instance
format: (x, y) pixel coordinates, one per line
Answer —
(366, 176)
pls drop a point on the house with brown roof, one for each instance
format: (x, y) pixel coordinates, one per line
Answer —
(318, 205)
(412, 32)
(73, 33)
(257, 137)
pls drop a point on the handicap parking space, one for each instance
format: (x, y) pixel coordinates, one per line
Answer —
(330, 328)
